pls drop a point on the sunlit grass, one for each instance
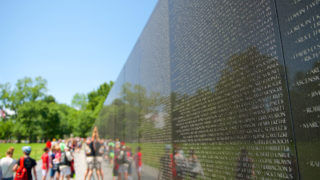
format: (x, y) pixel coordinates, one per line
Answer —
(37, 150)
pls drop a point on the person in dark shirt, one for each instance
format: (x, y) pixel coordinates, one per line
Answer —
(29, 163)
(93, 153)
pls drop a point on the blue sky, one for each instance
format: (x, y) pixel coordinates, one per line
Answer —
(74, 44)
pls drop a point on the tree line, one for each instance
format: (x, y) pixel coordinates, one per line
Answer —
(36, 115)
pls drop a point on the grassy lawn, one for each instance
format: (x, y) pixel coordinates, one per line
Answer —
(37, 150)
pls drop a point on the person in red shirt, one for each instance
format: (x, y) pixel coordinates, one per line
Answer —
(138, 162)
(48, 144)
(45, 163)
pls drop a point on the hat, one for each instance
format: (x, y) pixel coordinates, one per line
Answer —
(26, 149)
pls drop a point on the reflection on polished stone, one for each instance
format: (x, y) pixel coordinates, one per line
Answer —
(222, 90)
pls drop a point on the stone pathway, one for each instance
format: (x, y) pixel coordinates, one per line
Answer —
(148, 173)
(81, 166)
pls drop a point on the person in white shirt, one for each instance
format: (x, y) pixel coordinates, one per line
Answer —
(65, 162)
(7, 163)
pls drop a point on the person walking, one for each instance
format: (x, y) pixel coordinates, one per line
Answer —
(99, 158)
(94, 155)
(138, 162)
(124, 163)
(28, 162)
(130, 161)
(111, 154)
(7, 163)
(57, 160)
(45, 163)
(116, 163)
(53, 162)
(65, 162)
(89, 157)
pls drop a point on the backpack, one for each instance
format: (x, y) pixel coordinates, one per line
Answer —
(64, 159)
(124, 158)
(21, 173)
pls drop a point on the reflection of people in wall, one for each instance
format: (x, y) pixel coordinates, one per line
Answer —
(181, 164)
(138, 162)
(245, 167)
(166, 164)
(194, 166)
(290, 164)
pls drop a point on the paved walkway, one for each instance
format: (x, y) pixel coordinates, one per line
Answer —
(148, 173)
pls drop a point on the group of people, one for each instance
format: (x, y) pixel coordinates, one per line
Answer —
(57, 162)
(22, 168)
(10, 167)
(59, 155)
(175, 165)
(187, 167)
(116, 153)
(58, 159)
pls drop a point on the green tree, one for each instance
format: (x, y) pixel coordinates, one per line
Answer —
(88, 108)
(97, 97)
(79, 101)
(38, 119)
(5, 95)
(27, 90)
(37, 115)
(83, 123)
(5, 129)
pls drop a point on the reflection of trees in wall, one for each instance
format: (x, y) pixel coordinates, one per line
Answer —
(155, 122)
(305, 96)
(251, 86)
(127, 117)
(247, 107)
(130, 96)
(111, 119)
(105, 122)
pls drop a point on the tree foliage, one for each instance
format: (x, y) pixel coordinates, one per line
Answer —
(79, 101)
(37, 115)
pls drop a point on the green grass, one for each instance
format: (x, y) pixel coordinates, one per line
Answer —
(37, 150)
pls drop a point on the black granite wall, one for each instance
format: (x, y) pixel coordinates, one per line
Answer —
(234, 85)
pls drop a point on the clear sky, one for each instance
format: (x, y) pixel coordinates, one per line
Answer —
(74, 44)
